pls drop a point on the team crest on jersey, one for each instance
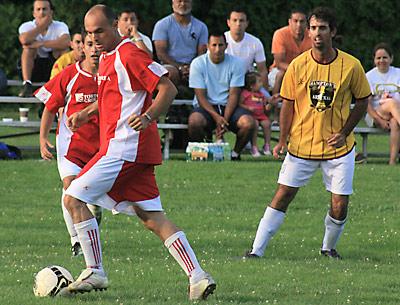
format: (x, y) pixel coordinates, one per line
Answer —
(85, 98)
(321, 94)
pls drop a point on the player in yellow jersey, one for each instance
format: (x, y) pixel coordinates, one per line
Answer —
(316, 119)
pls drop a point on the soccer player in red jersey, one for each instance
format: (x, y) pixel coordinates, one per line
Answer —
(121, 175)
(73, 89)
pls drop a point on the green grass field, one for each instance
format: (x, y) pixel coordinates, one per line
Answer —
(218, 205)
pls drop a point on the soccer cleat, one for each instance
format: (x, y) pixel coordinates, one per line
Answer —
(202, 289)
(360, 158)
(26, 91)
(76, 249)
(331, 253)
(249, 255)
(89, 280)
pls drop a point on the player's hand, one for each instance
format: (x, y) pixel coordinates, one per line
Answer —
(337, 140)
(44, 149)
(138, 122)
(279, 150)
(76, 120)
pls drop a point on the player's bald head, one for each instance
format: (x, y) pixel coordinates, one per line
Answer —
(101, 10)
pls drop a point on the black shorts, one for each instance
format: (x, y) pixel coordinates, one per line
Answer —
(239, 111)
(42, 68)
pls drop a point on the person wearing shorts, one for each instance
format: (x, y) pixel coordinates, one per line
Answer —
(120, 177)
(317, 91)
(217, 79)
(72, 89)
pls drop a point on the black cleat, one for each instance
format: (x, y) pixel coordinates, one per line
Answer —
(331, 253)
(249, 255)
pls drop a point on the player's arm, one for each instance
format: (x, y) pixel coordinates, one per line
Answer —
(339, 139)
(164, 98)
(285, 124)
(46, 123)
(77, 119)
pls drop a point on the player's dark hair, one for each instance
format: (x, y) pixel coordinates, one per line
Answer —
(250, 79)
(326, 14)
(216, 33)
(384, 46)
(237, 9)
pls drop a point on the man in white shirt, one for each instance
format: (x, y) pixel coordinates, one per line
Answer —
(245, 45)
(128, 23)
(43, 40)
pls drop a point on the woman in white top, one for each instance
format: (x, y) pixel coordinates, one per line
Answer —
(384, 105)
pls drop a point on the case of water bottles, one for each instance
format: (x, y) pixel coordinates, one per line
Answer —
(199, 151)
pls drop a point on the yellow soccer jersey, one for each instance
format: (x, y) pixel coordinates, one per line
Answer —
(322, 95)
(63, 61)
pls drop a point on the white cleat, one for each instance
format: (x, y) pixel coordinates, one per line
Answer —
(89, 280)
(202, 289)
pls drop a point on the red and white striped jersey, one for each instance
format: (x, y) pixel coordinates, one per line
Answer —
(74, 89)
(127, 77)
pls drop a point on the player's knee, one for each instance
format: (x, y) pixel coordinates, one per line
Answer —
(71, 203)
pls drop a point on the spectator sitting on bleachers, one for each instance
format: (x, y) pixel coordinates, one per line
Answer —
(128, 23)
(178, 38)
(43, 40)
(287, 43)
(384, 106)
(71, 57)
(217, 78)
(245, 45)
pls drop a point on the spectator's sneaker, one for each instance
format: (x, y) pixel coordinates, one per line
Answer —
(275, 123)
(331, 253)
(254, 152)
(89, 280)
(26, 91)
(249, 255)
(202, 289)
(236, 158)
(360, 158)
(267, 150)
(76, 249)
(248, 146)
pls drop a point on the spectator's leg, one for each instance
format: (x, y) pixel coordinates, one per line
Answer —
(275, 90)
(245, 125)
(266, 126)
(27, 63)
(394, 141)
(173, 74)
(197, 127)
(255, 134)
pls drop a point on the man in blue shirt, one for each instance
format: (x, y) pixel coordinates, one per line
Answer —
(178, 38)
(216, 78)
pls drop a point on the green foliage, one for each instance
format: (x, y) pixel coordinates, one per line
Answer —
(362, 23)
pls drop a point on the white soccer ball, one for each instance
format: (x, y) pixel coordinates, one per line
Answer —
(51, 280)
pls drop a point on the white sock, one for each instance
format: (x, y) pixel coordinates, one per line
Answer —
(27, 81)
(333, 230)
(234, 154)
(267, 227)
(89, 237)
(68, 221)
(178, 246)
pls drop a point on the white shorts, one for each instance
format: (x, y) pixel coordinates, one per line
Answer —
(67, 168)
(337, 173)
(117, 185)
